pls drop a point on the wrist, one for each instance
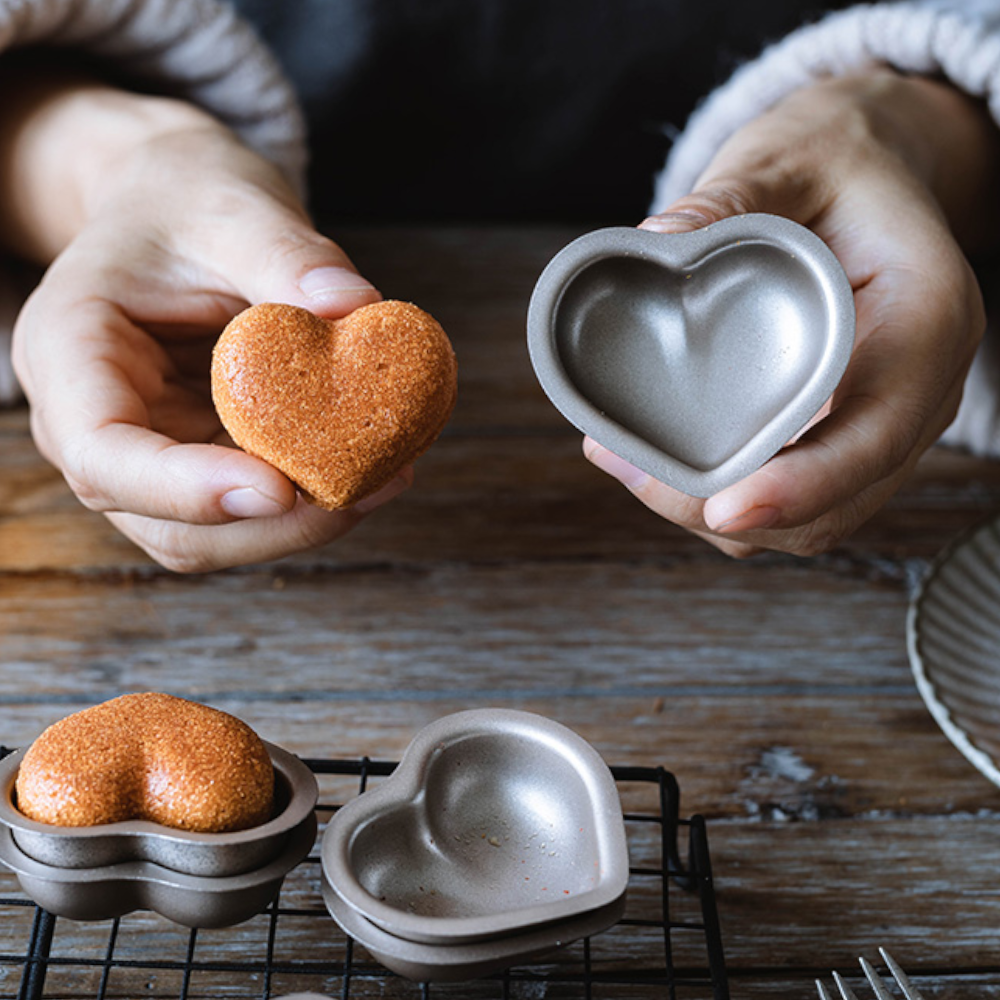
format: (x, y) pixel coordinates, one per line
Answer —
(63, 140)
(947, 140)
(958, 142)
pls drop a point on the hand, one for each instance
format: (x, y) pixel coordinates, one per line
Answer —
(898, 176)
(169, 230)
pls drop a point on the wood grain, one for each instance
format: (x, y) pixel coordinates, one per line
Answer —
(778, 690)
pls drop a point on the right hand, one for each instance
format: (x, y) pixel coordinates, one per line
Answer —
(898, 175)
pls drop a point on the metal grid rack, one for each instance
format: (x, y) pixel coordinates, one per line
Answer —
(668, 944)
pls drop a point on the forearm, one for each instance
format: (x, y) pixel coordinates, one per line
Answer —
(63, 137)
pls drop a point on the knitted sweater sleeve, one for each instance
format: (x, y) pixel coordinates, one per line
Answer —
(957, 40)
(198, 50)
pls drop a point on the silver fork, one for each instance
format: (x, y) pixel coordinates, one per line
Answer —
(910, 992)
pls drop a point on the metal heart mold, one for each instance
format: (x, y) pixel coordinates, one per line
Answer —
(495, 822)
(472, 960)
(107, 891)
(695, 356)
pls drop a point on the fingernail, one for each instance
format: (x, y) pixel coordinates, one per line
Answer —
(626, 473)
(327, 282)
(248, 502)
(384, 495)
(674, 222)
(749, 520)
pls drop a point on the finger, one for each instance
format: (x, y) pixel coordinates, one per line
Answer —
(740, 182)
(123, 467)
(669, 503)
(672, 505)
(787, 162)
(900, 391)
(268, 252)
(192, 548)
(90, 417)
(827, 484)
(187, 548)
(734, 548)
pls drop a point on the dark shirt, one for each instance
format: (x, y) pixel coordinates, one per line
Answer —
(505, 109)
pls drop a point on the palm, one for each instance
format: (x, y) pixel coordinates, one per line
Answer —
(159, 345)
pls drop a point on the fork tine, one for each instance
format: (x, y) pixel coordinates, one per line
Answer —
(846, 992)
(909, 990)
(878, 984)
(823, 995)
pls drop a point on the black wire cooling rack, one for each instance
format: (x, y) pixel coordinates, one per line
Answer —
(668, 944)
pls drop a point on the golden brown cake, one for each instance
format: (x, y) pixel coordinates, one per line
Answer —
(339, 406)
(148, 756)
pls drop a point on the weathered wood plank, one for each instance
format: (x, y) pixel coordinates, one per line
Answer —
(553, 626)
(922, 887)
(778, 690)
(487, 498)
(777, 987)
(932, 987)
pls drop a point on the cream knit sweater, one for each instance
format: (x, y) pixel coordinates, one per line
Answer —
(200, 50)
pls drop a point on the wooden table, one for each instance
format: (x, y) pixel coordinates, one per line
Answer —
(777, 690)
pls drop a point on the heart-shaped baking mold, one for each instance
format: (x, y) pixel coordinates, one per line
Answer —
(107, 891)
(461, 962)
(495, 821)
(695, 356)
(199, 854)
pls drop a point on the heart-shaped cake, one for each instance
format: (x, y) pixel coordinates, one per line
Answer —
(148, 756)
(695, 356)
(339, 406)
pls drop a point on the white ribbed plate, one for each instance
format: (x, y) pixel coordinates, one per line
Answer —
(953, 636)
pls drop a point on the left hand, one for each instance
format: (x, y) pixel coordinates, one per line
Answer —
(898, 176)
(163, 226)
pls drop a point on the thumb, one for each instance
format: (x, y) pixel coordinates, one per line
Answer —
(274, 255)
(710, 203)
(745, 176)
